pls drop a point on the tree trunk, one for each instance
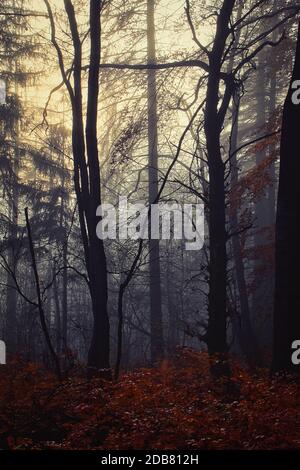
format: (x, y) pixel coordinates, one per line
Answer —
(272, 108)
(65, 299)
(287, 252)
(157, 346)
(57, 320)
(87, 179)
(272, 169)
(173, 319)
(216, 335)
(11, 294)
(11, 333)
(263, 285)
(247, 338)
(214, 119)
(100, 347)
(39, 299)
(64, 315)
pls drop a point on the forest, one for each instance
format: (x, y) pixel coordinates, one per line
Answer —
(149, 217)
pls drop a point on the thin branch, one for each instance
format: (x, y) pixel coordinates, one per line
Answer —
(252, 142)
(58, 51)
(192, 28)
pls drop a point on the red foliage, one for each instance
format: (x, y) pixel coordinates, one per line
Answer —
(176, 406)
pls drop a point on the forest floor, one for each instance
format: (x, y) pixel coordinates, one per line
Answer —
(176, 406)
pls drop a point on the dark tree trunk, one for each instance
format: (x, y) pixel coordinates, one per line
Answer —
(214, 119)
(261, 206)
(57, 320)
(244, 328)
(217, 241)
(11, 294)
(87, 179)
(287, 251)
(99, 350)
(42, 315)
(262, 295)
(173, 319)
(272, 170)
(65, 297)
(157, 346)
(63, 317)
(11, 333)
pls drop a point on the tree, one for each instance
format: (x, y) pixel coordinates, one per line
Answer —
(154, 251)
(287, 253)
(214, 119)
(15, 46)
(87, 180)
(221, 87)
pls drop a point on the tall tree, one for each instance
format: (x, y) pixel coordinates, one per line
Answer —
(154, 255)
(15, 46)
(244, 328)
(87, 171)
(287, 252)
(220, 89)
(214, 120)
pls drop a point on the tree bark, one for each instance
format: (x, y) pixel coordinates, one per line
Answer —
(214, 119)
(247, 338)
(262, 295)
(287, 252)
(100, 347)
(39, 298)
(157, 344)
(87, 178)
(11, 333)
(57, 321)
